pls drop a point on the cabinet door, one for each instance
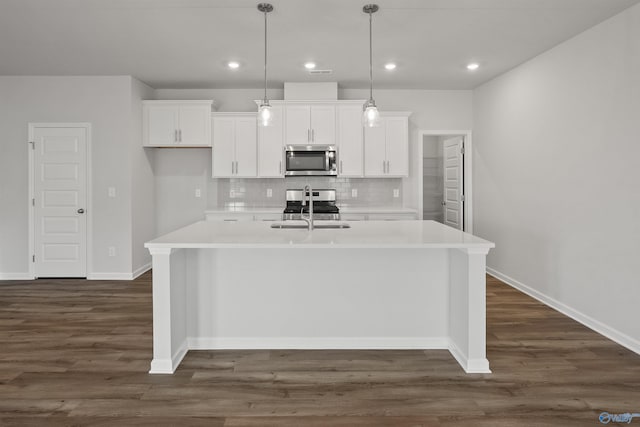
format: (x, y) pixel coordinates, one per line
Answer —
(246, 137)
(323, 124)
(374, 150)
(270, 146)
(350, 134)
(195, 125)
(223, 151)
(397, 149)
(161, 125)
(298, 125)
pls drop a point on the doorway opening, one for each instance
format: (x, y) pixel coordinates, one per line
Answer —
(445, 184)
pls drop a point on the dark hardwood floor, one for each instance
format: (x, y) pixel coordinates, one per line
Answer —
(75, 352)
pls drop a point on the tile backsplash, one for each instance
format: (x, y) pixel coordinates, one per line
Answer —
(253, 193)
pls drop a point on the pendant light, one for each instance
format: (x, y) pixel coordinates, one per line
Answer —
(371, 116)
(264, 111)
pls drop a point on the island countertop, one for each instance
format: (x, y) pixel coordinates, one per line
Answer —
(361, 234)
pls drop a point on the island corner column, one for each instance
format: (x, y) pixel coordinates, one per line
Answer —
(169, 309)
(467, 308)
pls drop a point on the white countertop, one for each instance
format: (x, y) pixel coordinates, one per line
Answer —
(362, 234)
(343, 209)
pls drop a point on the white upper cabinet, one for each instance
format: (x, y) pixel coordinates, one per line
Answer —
(271, 145)
(386, 147)
(177, 123)
(310, 124)
(234, 153)
(350, 137)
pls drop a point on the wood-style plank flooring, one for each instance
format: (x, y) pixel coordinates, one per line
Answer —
(75, 352)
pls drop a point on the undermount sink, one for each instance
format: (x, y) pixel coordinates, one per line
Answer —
(302, 226)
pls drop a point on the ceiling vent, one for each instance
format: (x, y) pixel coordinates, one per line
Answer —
(320, 71)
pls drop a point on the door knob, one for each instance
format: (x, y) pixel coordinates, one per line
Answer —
(80, 211)
(444, 203)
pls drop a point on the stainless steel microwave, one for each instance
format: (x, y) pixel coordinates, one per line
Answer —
(310, 160)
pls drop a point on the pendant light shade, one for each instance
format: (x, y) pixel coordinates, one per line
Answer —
(371, 116)
(264, 110)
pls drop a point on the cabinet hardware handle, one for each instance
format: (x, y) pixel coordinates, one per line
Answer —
(80, 211)
(180, 135)
(308, 135)
(175, 135)
(236, 167)
(340, 166)
(280, 167)
(384, 167)
(387, 166)
(313, 135)
(233, 166)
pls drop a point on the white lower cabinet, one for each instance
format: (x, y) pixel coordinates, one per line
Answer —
(234, 153)
(386, 152)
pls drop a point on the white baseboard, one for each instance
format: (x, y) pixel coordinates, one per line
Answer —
(141, 270)
(110, 276)
(591, 323)
(470, 366)
(120, 276)
(169, 366)
(323, 343)
(16, 276)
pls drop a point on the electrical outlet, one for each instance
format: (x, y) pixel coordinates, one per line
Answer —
(112, 251)
(396, 192)
(354, 192)
(112, 191)
(198, 192)
(269, 192)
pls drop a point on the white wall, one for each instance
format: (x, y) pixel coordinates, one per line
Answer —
(142, 182)
(178, 173)
(111, 105)
(556, 176)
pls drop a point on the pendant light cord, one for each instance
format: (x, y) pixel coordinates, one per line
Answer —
(265, 56)
(370, 57)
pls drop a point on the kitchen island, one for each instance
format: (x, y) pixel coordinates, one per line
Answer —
(375, 285)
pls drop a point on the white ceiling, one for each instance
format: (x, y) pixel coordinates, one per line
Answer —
(187, 43)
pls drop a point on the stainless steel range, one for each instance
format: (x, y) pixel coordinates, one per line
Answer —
(324, 205)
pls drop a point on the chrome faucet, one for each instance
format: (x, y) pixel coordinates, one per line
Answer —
(309, 219)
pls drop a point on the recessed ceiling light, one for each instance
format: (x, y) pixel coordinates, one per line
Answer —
(473, 66)
(390, 66)
(233, 65)
(310, 65)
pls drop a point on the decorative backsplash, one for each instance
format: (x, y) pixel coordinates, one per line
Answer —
(252, 193)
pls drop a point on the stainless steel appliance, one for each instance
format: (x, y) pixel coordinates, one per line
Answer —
(324, 205)
(310, 160)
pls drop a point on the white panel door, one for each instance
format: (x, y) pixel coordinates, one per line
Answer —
(246, 146)
(270, 146)
(223, 151)
(195, 125)
(397, 146)
(60, 193)
(350, 136)
(298, 124)
(375, 158)
(453, 183)
(323, 124)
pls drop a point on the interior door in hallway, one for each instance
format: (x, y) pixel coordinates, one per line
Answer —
(59, 201)
(453, 182)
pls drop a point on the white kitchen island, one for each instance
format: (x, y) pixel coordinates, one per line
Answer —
(376, 285)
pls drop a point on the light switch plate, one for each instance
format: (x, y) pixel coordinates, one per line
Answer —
(396, 192)
(354, 192)
(269, 192)
(112, 191)
(198, 192)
